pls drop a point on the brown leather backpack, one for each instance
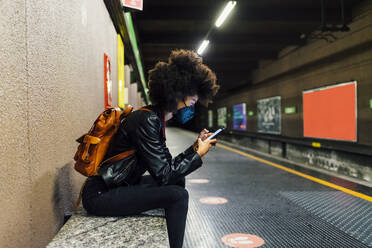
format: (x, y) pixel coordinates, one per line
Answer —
(94, 144)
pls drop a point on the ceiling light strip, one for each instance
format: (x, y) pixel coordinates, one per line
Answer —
(202, 47)
(228, 8)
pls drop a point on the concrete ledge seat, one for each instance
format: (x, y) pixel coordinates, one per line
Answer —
(82, 230)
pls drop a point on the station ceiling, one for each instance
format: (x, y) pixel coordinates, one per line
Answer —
(255, 30)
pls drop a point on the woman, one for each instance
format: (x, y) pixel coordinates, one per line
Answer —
(174, 88)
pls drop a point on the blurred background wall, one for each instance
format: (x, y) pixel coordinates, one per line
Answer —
(319, 63)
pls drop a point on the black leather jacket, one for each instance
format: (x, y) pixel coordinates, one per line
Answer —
(142, 131)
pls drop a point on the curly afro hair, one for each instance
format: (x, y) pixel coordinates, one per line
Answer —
(184, 75)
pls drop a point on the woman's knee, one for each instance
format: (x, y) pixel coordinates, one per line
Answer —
(179, 193)
(181, 182)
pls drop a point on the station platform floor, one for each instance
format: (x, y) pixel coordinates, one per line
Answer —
(238, 201)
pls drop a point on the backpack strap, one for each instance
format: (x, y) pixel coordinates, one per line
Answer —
(118, 157)
(122, 155)
(146, 109)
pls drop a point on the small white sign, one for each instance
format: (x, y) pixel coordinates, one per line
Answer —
(134, 4)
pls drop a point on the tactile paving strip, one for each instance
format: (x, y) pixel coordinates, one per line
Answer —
(290, 227)
(348, 213)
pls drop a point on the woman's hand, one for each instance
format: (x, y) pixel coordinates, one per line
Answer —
(204, 134)
(204, 146)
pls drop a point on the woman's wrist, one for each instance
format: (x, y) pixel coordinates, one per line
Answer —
(195, 146)
(198, 152)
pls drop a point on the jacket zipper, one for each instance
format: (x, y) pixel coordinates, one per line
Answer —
(123, 170)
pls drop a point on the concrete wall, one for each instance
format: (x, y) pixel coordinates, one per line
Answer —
(15, 193)
(51, 60)
(316, 64)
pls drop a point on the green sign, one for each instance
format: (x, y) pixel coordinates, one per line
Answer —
(370, 103)
(290, 110)
(133, 41)
(250, 113)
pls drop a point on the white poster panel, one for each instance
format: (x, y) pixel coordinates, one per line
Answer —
(269, 116)
(210, 118)
(222, 117)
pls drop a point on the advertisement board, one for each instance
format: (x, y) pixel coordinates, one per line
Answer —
(331, 112)
(222, 117)
(239, 117)
(269, 116)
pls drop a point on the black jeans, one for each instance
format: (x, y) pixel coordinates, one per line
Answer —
(130, 200)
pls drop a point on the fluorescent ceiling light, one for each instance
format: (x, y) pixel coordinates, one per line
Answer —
(202, 47)
(229, 6)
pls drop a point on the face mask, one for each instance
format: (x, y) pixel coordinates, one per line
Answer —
(185, 114)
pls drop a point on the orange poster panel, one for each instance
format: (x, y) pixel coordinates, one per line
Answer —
(330, 112)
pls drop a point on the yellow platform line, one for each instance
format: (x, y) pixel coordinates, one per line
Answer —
(348, 191)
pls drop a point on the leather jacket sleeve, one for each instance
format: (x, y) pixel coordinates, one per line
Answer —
(152, 150)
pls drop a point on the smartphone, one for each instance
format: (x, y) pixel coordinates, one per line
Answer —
(215, 134)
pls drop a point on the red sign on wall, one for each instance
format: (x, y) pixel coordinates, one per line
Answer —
(107, 82)
(134, 4)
